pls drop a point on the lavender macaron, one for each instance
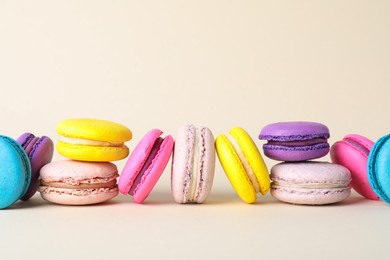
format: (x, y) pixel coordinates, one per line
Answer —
(40, 152)
(310, 183)
(295, 141)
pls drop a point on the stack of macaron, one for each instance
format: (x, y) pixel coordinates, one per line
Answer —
(298, 180)
(88, 177)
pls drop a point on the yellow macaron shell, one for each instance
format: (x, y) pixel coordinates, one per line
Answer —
(94, 129)
(254, 157)
(234, 169)
(84, 129)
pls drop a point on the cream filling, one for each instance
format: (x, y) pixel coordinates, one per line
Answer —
(80, 141)
(310, 185)
(194, 179)
(245, 163)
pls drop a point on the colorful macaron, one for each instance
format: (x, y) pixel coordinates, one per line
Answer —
(243, 164)
(193, 164)
(145, 165)
(295, 141)
(15, 172)
(40, 152)
(379, 168)
(93, 140)
(310, 183)
(78, 183)
(352, 152)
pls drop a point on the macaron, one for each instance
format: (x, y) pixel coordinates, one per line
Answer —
(243, 164)
(379, 168)
(145, 165)
(15, 172)
(193, 164)
(295, 141)
(310, 183)
(40, 152)
(352, 152)
(78, 183)
(97, 140)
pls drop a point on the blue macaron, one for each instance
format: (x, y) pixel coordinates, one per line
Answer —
(378, 168)
(15, 171)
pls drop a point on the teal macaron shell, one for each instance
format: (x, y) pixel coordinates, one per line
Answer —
(15, 171)
(378, 168)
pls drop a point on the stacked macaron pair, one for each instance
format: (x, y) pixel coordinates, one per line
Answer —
(298, 180)
(21, 161)
(88, 177)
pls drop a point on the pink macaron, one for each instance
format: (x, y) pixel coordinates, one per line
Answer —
(352, 152)
(145, 165)
(78, 183)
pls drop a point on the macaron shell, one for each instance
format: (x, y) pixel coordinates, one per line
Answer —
(154, 172)
(15, 172)
(291, 131)
(253, 156)
(182, 162)
(136, 160)
(348, 155)
(94, 129)
(58, 170)
(92, 153)
(208, 163)
(234, 169)
(294, 154)
(310, 196)
(69, 199)
(379, 168)
(40, 155)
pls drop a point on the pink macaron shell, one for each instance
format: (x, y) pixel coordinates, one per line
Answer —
(78, 197)
(355, 159)
(153, 173)
(136, 160)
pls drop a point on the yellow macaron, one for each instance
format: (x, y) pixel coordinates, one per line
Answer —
(86, 139)
(243, 164)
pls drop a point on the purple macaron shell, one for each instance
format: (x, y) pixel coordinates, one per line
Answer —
(299, 138)
(40, 152)
(294, 131)
(294, 154)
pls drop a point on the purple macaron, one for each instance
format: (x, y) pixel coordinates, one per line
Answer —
(40, 152)
(295, 141)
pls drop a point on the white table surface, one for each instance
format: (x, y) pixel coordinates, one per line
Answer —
(223, 228)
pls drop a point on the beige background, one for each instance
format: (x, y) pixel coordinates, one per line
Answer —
(162, 64)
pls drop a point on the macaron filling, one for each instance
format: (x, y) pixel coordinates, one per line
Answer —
(297, 142)
(87, 142)
(245, 162)
(358, 146)
(146, 166)
(75, 192)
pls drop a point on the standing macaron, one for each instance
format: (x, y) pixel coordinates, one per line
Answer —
(310, 183)
(243, 164)
(352, 152)
(78, 183)
(15, 171)
(40, 152)
(295, 141)
(193, 164)
(379, 168)
(87, 139)
(145, 165)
